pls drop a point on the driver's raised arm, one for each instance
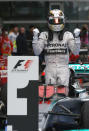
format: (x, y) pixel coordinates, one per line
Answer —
(38, 41)
(74, 42)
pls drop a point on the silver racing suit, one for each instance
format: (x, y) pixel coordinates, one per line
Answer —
(56, 55)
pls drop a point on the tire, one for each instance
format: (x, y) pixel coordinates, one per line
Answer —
(85, 115)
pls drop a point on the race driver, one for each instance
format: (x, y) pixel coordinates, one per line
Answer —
(6, 45)
(56, 44)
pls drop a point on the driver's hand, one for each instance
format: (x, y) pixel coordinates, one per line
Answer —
(77, 32)
(36, 32)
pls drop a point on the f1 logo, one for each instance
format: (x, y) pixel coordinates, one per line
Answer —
(22, 65)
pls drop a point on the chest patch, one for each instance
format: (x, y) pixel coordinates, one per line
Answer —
(55, 48)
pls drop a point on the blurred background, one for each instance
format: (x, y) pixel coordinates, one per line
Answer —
(28, 12)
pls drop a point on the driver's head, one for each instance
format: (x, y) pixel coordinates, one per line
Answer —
(56, 20)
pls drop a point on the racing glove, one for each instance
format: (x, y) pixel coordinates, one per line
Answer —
(77, 35)
(35, 34)
(77, 32)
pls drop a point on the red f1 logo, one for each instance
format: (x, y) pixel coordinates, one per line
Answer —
(27, 64)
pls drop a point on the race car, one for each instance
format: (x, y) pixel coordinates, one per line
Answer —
(64, 113)
(67, 113)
